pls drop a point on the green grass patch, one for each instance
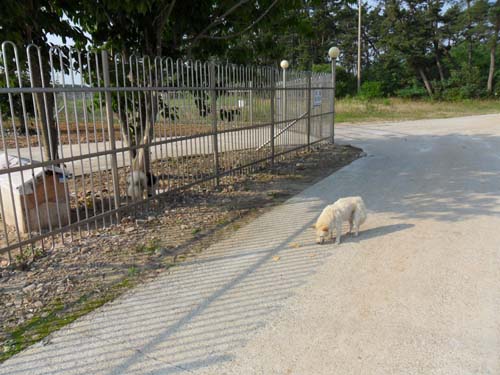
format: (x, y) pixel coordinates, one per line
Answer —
(195, 231)
(57, 316)
(396, 109)
(149, 247)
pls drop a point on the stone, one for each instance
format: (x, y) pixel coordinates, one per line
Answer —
(29, 288)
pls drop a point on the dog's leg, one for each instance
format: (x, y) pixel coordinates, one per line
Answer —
(356, 225)
(350, 224)
(339, 231)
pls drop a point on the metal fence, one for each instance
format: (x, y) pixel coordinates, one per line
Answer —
(73, 125)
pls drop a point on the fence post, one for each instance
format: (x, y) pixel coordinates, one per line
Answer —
(213, 107)
(250, 104)
(111, 131)
(309, 110)
(273, 95)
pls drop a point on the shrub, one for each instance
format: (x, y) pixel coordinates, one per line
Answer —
(412, 92)
(345, 81)
(371, 90)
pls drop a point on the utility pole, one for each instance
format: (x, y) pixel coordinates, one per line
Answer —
(359, 46)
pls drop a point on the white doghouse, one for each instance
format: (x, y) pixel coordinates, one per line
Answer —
(41, 189)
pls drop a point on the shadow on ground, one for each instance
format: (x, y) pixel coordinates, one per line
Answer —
(192, 318)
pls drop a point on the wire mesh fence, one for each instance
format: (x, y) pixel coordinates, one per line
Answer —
(86, 136)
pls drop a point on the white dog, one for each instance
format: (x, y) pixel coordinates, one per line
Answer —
(137, 183)
(350, 209)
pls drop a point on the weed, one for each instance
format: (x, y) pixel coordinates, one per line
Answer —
(222, 222)
(132, 271)
(149, 247)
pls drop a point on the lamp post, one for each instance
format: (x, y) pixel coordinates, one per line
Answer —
(334, 53)
(359, 46)
(284, 65)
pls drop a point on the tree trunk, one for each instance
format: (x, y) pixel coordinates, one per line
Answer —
(427, 84)
(440, 69)
(491, 74)
(45, 108)
(44, 102)
(493, 50)
(469, 36)
(142, 158)
(438, 62)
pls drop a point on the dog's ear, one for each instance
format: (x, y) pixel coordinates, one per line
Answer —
(325, 228)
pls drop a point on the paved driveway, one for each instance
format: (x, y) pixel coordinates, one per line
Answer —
(417, 293)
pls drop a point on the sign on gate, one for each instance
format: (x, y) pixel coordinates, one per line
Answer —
(317, 98)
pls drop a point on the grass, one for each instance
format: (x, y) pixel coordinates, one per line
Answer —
(395, 109)
(149, 247)
(55, 317)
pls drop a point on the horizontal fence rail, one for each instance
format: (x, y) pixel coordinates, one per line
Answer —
(87, 136)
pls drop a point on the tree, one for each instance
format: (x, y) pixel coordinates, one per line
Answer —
(25, 22)
(495, 21)
(410, 33)
(152, 28)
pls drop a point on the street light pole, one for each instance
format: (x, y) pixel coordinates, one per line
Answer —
(284, 65)
(334, 53)
(359, 46)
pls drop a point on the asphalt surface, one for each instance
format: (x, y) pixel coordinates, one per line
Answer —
(418, 292)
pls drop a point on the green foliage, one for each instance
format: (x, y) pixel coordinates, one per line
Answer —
(412, 92)
(464, 83)
(371, 90)
(346, 83)
(405, 42)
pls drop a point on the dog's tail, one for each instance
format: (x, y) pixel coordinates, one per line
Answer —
(360, 212)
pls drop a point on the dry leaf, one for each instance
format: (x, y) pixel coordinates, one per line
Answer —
(276, 258)
(312, 255)
(295, 245)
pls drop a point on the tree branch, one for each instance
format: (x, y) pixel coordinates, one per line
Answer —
(219, 20)
(246, 28)
(162, 13)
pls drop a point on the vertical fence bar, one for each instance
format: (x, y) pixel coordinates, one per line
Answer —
(273, 95)
(111, 131)
(250, 102)
(308, 110)
(213, 105)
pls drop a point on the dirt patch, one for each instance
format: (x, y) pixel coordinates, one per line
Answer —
(75, 133)
(70, 280)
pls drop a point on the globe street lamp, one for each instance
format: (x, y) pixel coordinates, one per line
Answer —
(334, 53)
(284, 65)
